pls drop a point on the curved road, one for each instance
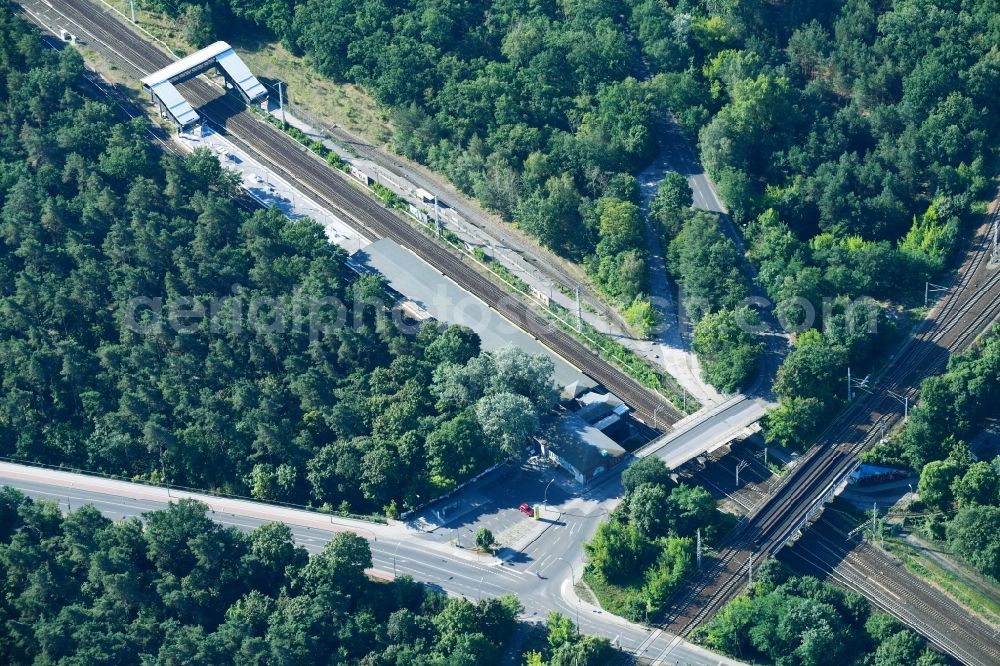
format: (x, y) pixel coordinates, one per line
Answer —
(543, 585)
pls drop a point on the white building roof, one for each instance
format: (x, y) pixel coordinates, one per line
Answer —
(240, 73)
(186, 63)
(220, 53)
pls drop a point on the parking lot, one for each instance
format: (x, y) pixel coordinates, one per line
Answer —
(493, 501)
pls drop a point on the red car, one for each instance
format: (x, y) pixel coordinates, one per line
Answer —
(526, 509)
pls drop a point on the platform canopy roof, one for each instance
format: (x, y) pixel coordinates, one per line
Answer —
(176, 105)
(220, 54)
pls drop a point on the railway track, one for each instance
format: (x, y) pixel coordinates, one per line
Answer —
(953, 324)
(874, 574)
(971, 305)
(286, 157)
(539, 258)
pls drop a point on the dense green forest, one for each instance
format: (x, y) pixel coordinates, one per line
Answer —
(960, 493)
(178, 588)
(639, 557)
(534, 108)
(266, 395)
(792, 621)
(851, 140)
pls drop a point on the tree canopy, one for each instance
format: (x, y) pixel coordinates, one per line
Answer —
(152, 328)
(850, 163)
(642, 554)
(176, 587)
(961, 494)
(805, 622)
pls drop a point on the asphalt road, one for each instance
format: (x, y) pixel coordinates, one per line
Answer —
(540, 577)
(683, 160)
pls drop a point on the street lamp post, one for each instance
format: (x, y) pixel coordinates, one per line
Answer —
(572, 580)
(545, 495)
(396, 550)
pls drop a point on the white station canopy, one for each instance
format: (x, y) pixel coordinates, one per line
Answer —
(176, 105)
(219, 54)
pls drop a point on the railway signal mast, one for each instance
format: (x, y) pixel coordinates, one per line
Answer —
(877, 533)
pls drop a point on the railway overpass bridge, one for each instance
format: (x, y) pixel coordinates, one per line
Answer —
(706, 431)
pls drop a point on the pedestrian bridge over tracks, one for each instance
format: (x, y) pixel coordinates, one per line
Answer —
(220, 55)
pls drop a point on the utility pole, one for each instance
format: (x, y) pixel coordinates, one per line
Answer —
(850, 393)
(579, 310)
(874, 520)
(928, 288)
(905, 400)
(281, 104)
(437, 218)
(131, 4)
(765, 457)
(698, 546)
(743, 465)
(750, 571)
(996, 237)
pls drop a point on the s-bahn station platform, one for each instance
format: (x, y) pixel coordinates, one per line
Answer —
(444, 300)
